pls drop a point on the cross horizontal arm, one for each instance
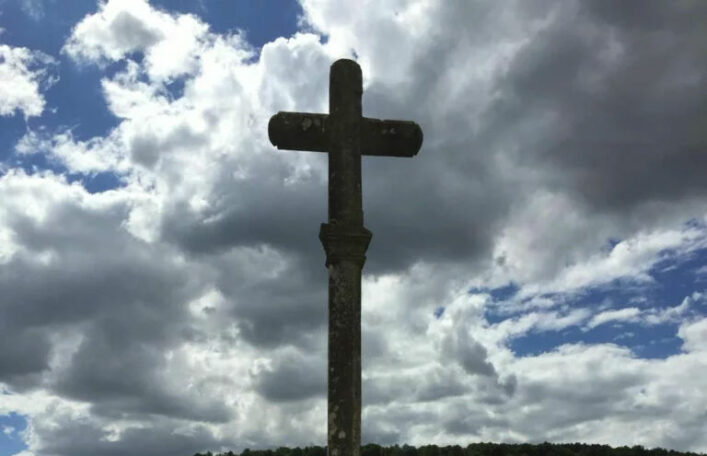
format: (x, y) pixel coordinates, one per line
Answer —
(298, 131)
(390, 138)
(307, 131)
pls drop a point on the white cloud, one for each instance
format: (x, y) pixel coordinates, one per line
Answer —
(606, 380)
(629, 259)
(694, 335)
(672, 314)
(87, 157)
(199, 287)
(512, 328)
(24, 73)
(528, 250)
(629, 314)
(171, 43)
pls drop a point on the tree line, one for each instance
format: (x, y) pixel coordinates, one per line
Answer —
(473, 449)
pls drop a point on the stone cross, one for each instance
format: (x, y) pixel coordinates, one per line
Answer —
(345, 135)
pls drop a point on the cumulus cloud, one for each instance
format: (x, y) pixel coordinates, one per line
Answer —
(607, 379)
(169, 42)
(694, 335)
(185, 310)
(24, 74)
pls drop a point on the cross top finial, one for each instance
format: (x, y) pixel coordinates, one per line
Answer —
(348, 65)
(345, 88)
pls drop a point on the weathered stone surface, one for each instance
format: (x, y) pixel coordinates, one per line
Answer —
(298, 131)
(390, 138)
(342, 242)
(306, 131)
(345, 135)
(344, 376)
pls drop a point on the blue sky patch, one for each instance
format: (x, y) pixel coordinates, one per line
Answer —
(439, 311)
(648, 342)
(78, 89)
(262, 22)
(10, 439)
(652, 309)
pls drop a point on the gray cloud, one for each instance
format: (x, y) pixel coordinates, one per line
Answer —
(602, 104)
(295, 378)
(122, 376)
(134, 33)
(256, 210)
(384, 390)
(471, 355)
(374, 434)
(86, 437)
(274, 308)
(440, 387)
(616, 133)
(25, 351)
(123, 296)
(623, 89)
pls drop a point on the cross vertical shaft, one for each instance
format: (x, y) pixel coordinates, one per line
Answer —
(346, 135)
(345, 90)
(345, 240)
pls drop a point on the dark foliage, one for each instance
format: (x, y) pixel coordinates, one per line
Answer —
(473, 449)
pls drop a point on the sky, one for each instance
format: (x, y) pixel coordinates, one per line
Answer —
(537, 272)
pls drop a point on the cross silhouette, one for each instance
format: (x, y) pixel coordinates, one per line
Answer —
(346, 135)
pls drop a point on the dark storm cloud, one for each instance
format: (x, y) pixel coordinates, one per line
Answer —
(372, 433)
(471, 355)
(252, 211)
(274, 308)
(411, 215)
(76, 437)
(23, 352)
(440, 387)
(123, 376)
(414, 218)
(612, 132)
(374, 348)
(624, 86)
(125, 297)
(294, 378)
(472, 422)
(384, 390)
(604, 104)
(283, 300)
(595, 394)
(77, 286)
